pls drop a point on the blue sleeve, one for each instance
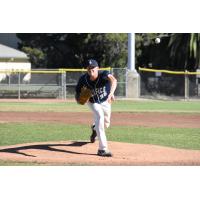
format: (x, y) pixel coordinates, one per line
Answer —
(78, 87)
(105, 75)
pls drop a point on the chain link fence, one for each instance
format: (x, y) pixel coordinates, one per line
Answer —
(120, 75)
(49, 83)
(169, 85)
(34, 84)
(61, 84)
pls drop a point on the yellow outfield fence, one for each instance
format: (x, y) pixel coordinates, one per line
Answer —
(168, 71)
(48, 83)
(83, 69)
(61, 83)
(159, 83)
(60, 70)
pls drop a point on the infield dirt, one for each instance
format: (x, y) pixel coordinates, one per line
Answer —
(118, 119)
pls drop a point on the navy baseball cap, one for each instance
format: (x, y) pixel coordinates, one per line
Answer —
(92, 63)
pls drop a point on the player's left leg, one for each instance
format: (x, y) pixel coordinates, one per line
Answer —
(107, 113)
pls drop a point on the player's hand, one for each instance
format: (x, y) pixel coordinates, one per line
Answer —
(111, 98)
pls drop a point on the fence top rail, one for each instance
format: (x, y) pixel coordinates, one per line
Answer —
(80, 70)
(56, 71)
(168, 71)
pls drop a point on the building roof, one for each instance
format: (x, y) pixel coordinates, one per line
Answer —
(9, 39)
(8, 52)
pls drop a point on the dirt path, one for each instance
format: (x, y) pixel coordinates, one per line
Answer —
(118, 119)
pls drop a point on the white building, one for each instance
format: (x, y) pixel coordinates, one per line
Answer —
(12, 59)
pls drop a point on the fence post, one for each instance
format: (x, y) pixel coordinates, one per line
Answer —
(19, 88)
(9, 79)
(63, 82)
(186, 85)
(132, 84)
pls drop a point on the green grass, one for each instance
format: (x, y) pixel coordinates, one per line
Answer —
(32, 163)
(17, 133)
(14, 163)
(42, 107)
(118, 106)
(184, 138)
(157, 106)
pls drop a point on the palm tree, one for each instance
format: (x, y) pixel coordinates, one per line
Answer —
(185, 50)
(195, 47)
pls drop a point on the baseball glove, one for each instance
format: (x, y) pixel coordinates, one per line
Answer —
(84, 96)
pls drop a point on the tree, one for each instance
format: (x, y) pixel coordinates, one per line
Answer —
(65, 50)
(177, 51)
(148, 53)
(109, 49)
(185, 50)
(37, 57)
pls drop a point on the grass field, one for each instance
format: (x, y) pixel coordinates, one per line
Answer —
(118, 106)
(16, 133)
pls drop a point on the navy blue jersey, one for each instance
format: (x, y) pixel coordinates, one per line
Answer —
(100, 87)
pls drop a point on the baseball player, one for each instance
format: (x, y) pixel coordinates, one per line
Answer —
(102, 85)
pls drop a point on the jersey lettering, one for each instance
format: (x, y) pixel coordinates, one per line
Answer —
(101, 92)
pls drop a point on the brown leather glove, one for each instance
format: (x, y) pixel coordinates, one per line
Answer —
(84, 96)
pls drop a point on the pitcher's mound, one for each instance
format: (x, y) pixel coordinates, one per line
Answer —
(84, 153)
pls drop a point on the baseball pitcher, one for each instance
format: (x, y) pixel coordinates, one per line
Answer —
(96, 88)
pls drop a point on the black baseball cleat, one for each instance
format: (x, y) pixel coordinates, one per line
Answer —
(104, 153)
(94, 134)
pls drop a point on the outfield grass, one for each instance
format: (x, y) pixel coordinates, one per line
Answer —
(118, 106)
(42, 107)
(17, 133)
(157, 106)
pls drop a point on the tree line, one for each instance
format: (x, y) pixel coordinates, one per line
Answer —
(176, 51)
(71, 50)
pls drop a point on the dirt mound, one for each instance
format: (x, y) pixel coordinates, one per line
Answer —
(84, 153)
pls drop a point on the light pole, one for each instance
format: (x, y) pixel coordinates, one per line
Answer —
(131, 51)
(132, 77)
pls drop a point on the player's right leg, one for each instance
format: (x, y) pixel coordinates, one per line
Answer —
(94, 134)
(99, 124)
